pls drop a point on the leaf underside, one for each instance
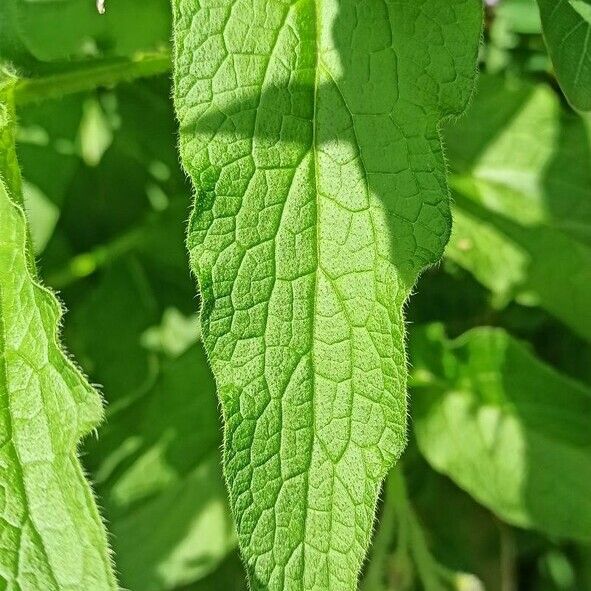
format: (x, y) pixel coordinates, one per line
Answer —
(51, 534)
(310, 130)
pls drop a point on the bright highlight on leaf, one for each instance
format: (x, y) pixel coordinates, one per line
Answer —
(51, 535)
(310, 130)
(487, 416)
(521, 202)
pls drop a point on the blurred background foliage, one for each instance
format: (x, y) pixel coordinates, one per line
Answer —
(494, 491)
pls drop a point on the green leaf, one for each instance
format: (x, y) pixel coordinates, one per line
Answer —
(519, 16)
(122, 266)
(158, 461)
(90, 75)
(310, 130)
(51, 533)
(39, 36)
(465, 537)
(230, 577)
(522, 201)
(9, 170)
(567, 31)
(198, 534)
(117, 214)
(507, 428)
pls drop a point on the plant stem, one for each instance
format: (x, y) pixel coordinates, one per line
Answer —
(85, 264)
(91, 75)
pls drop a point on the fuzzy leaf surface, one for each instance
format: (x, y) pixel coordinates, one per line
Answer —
(51, 534)
(310, 130)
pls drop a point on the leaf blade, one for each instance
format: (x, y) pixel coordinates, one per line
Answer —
(53, 537)
(519, 454)
(292, 242)
(521, 204)
(567, 31)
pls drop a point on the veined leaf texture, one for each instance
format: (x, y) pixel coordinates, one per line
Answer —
(51, 535)
(567, 31)
(311, 132)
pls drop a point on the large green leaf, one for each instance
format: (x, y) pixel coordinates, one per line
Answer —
(522, 200)
(51, 533)
(310, 130)
(507, 428)
(567, 31)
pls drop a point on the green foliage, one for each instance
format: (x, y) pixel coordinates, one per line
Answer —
(567, 30)
(52, 536)
(486, 414)
(118, 255)
(42, 36)
(321, 194)
(521, 203)
(491, 490)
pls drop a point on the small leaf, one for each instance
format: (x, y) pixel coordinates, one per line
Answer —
(507, 428)
(51, 533)
(310, 130)
(567, 31)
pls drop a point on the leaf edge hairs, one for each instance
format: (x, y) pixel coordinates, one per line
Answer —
(53, 534)
(284, 508)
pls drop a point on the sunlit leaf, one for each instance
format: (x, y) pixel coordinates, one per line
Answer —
(507, 428)
(310, 130)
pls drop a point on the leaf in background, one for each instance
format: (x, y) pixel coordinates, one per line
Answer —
(51, 534)
(42, 214)
(519, 16)
(158, 461)
(230, 577)
(118, 204)
(48, 35)
(470, 544)
(158, 456)
(567, 31)
(310, 130)
(9, 169)
(514, 43)
(507, 428)
(46, 138)
(522, 202)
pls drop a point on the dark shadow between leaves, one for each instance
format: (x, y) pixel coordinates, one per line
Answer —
(566, 182)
